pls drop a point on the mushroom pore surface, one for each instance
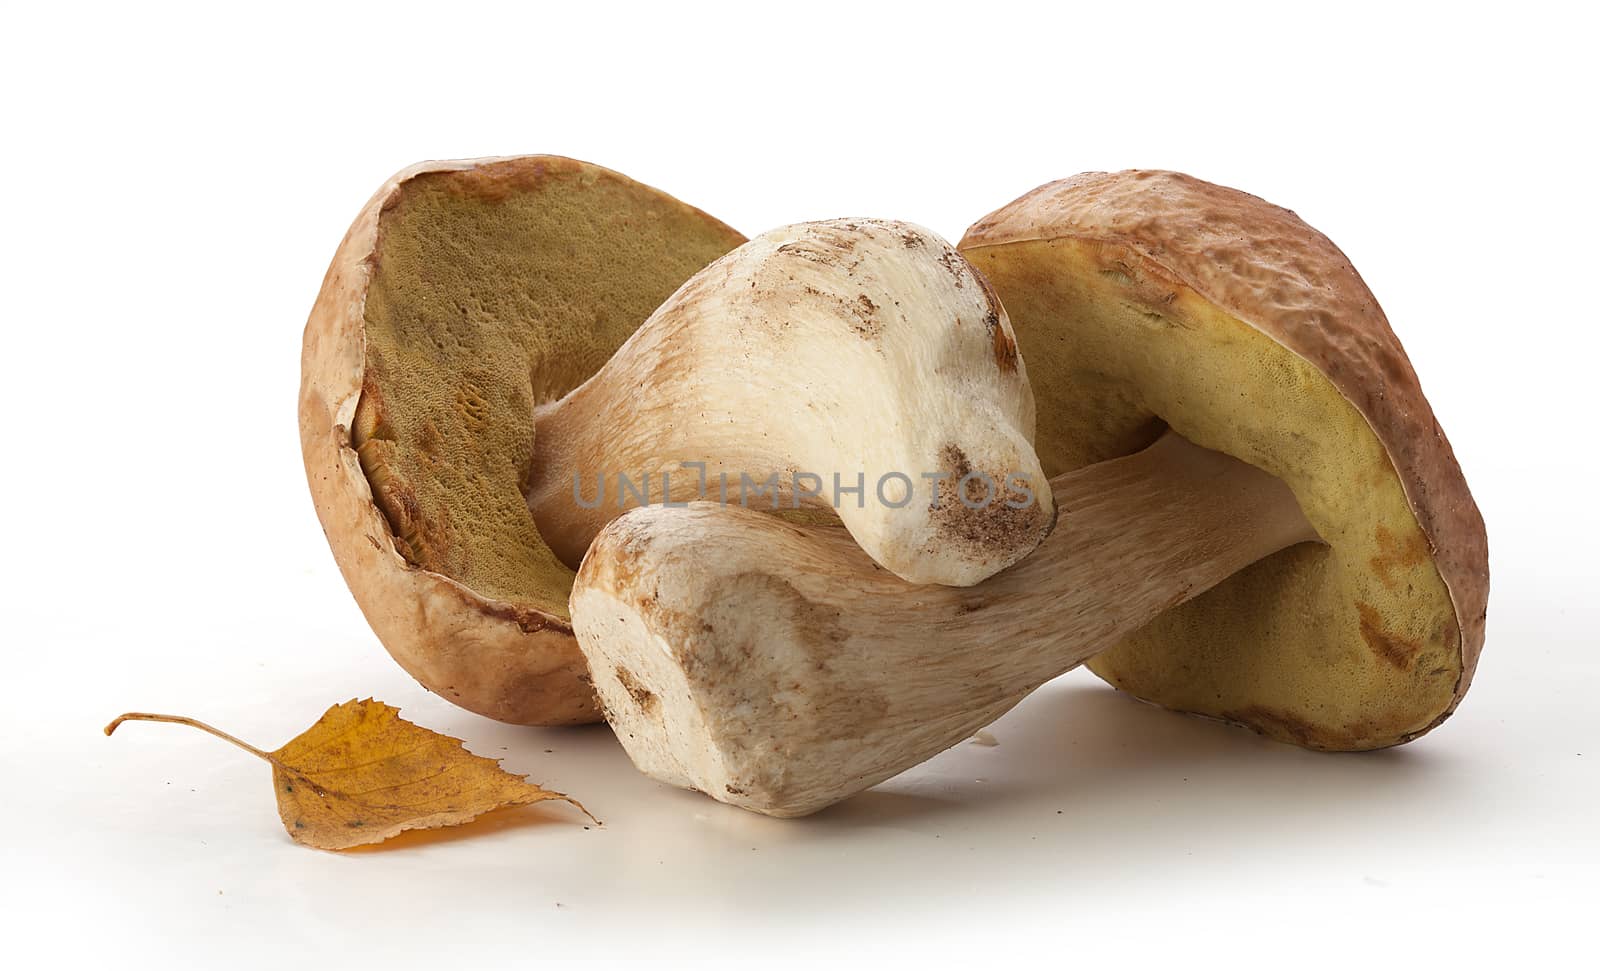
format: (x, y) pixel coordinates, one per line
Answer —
(495, 289)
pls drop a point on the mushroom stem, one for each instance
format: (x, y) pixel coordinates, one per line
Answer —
(775, 668)
(854, 361)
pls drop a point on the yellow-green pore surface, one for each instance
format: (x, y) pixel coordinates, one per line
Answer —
(1346, 646)
(494, 290)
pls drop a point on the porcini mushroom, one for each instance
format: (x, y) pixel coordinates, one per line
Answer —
(862, 353)
(469, 294)
(776, 668)
(465, 294)
(1151, 306)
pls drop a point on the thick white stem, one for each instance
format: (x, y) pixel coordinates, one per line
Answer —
(864, 350)
(778, 669)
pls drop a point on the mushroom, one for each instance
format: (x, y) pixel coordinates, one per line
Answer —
(859, 364)
(465, 294)
(776, 668)
(467, 300)
(1216, 388)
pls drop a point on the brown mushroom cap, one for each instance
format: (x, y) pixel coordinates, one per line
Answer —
(1148, 299)
(465, 294)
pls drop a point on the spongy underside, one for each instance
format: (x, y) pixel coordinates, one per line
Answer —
(1351, 645)
(494, 290)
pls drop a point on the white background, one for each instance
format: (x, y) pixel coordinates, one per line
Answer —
(175, 183)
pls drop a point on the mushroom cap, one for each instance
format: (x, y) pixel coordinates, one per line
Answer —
(465, 294)
(1148, 299)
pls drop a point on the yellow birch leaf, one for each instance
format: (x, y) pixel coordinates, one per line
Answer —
(362, 774)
